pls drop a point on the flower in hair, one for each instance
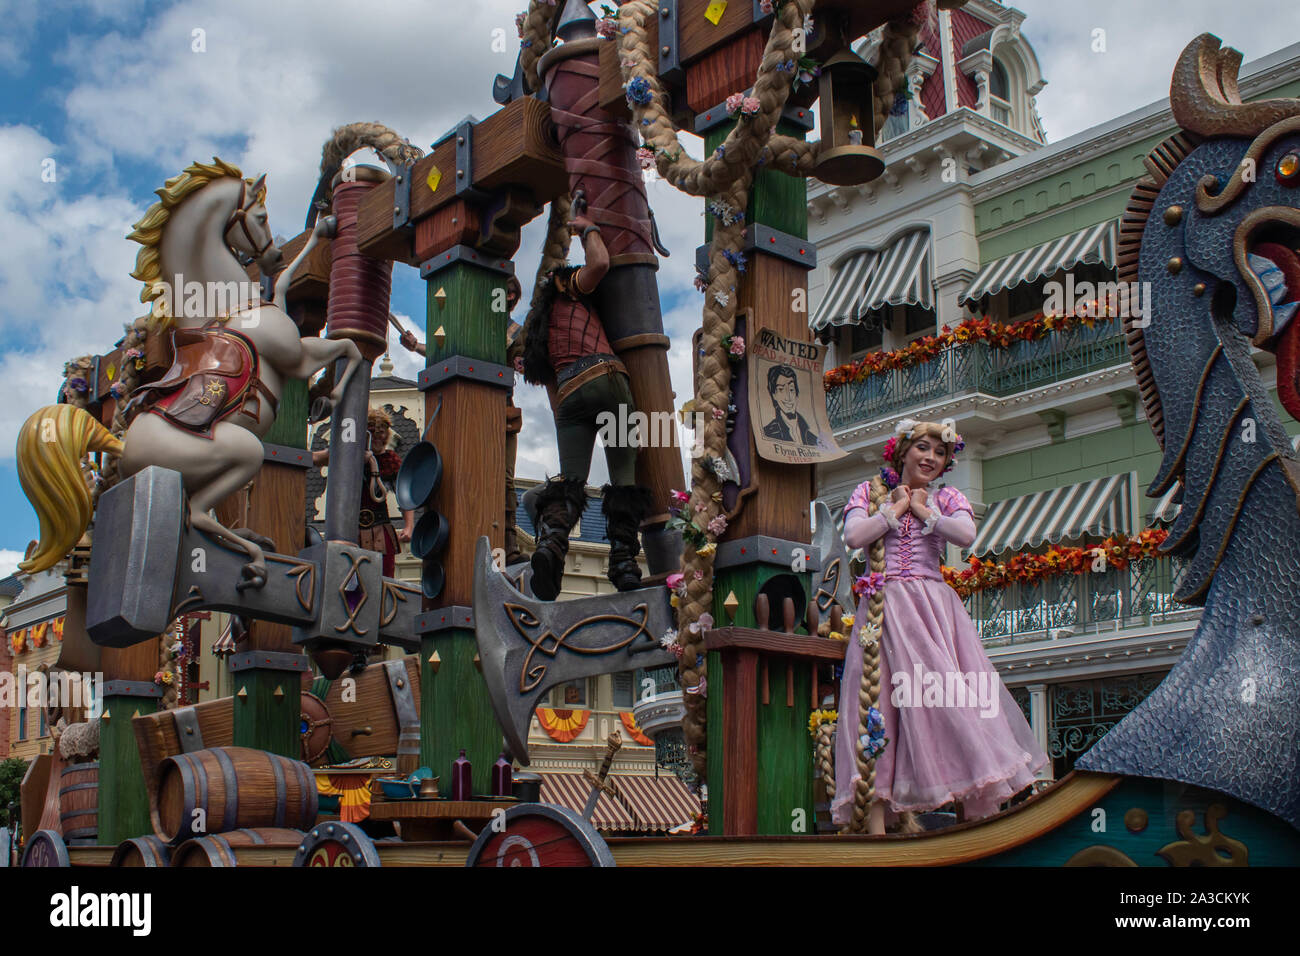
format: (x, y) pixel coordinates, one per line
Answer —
(639, 92)
(868, 584)
(890, 447)
(751, 105)
(905, 426)
(734, 102)
(889, 477)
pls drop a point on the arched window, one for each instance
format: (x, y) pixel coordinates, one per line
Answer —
(999, 85)
(1000, 94)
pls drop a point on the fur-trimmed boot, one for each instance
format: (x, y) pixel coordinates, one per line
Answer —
(559, 506)
(624, 507)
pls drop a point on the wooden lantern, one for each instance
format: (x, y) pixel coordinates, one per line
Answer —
(848, 156)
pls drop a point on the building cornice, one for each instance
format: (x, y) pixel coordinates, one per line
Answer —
(1129, 128)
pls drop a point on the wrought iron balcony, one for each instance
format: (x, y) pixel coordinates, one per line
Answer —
(979, 367)
(1138, 596)
(660, 708)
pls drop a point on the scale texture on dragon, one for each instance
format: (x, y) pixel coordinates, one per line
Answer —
(1215, 229)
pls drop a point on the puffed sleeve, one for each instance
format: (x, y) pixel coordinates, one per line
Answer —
(860, 530)
(957, 518)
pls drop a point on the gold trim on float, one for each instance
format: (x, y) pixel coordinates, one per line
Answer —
(962, 843)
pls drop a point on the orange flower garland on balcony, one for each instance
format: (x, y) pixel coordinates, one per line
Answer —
(975, 329)
(1118, 551)
(562, 725)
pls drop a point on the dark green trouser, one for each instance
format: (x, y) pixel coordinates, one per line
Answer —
(578, 419)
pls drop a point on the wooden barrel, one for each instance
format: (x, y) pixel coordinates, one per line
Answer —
(235, 788)
(79, 804)
(220, 848)
(142, 851)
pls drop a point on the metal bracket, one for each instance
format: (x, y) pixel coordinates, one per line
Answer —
(402, 199)
(670, 59)
(463, 133)
(467, 254)
(762, 549)
(269, 661)
(129, 688)
(507, 89)
(800, 116)
(187, 729)
(773, 242)
(476, 370)
(444, 618)
(286, 455)
(268, 288)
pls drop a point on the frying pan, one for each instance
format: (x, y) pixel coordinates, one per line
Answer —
(432, 578)
(429, 538)
(421, 472)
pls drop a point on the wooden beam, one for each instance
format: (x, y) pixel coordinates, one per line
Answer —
(514, 147)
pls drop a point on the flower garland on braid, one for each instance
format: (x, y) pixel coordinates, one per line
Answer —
(724, 177)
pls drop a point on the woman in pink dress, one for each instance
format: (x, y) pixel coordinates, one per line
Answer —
(930, 721)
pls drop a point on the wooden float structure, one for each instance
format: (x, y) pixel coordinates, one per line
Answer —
(456, 215)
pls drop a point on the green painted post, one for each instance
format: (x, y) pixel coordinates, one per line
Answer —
(268, 710)
(455, 713)
(467, 301)
(123, 800)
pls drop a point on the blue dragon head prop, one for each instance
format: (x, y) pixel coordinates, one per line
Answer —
(1214, 228)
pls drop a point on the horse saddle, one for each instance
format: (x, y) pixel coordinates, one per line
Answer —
(213, 375)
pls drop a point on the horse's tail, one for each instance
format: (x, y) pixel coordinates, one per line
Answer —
(51, 445)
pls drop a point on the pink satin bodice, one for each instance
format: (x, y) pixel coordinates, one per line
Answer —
(911, 551)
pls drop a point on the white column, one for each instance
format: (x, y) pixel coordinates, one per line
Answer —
(1038, 720)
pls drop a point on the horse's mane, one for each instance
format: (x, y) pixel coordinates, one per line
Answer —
(148, 231)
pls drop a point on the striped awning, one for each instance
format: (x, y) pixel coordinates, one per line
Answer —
(1093, 245)
(644, 802)
(902, 275)
(899, 274)
(1098, 507)
(1166, 508)
(840, 305)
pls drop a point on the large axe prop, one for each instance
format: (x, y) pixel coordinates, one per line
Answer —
(528, 646)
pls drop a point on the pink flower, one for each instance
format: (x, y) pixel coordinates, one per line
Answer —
(606, 29)
(700, 508)
(646, 158)
(519, 364)
(718, 525)
(890, 447)
(735, 101)
(719, 413)
(706, 620)
(765, 6)
(519, 23)
(681, 497)
(737, 345)
(868, 584)
(750, 105)
(673, 581)
(699, 575)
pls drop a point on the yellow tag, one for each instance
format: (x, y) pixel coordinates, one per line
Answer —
(713, 13)
(434, 177)
(111, 371)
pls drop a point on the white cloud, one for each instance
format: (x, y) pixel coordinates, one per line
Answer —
(9, 561)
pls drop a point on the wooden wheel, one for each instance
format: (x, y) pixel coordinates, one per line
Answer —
(46, 848)
(539, 834)
(337, 844)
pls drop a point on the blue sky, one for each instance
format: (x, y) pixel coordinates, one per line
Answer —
(117, 94)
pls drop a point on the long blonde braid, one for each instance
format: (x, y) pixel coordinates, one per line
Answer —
(864, 790)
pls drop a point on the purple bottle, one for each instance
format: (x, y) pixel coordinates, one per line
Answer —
(502, 777)
(461, 780)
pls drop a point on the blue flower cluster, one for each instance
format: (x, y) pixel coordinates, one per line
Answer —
(874, 740)
(638, 91)
(737, 259)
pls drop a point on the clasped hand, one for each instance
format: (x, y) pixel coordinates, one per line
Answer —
(905, 499)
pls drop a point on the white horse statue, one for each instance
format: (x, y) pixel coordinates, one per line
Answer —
(207, 416)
